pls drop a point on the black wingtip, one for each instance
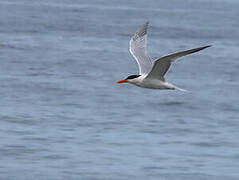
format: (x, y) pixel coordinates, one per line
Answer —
(145, 26)
(204, 47)
(141, 31)
(207, 46)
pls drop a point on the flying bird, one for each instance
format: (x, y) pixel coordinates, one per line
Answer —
(151, 75)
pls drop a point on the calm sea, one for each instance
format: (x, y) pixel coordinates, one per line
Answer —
(63, 117)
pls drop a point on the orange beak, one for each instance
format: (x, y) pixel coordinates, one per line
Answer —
(122, 81)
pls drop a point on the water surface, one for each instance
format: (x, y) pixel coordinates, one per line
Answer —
(62, 115)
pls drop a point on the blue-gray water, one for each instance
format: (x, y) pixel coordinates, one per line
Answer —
(62, 115)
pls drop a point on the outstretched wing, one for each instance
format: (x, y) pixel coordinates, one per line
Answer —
(161, 65)
(137, 47)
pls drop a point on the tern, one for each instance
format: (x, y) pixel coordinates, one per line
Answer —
(151, 75)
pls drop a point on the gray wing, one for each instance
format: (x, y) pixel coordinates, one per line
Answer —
(161, 65)
(137, 47)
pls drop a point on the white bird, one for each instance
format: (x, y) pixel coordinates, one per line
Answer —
(151, 75)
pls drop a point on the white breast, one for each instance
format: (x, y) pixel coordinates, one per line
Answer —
(152, 83)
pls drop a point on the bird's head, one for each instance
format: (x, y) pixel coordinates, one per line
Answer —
(129, 79)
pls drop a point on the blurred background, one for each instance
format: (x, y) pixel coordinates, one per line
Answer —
(62, 115)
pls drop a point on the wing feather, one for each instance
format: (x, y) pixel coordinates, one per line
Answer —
(137, 48)
(161, 65)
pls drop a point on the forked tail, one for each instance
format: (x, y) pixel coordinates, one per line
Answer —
(184, 90)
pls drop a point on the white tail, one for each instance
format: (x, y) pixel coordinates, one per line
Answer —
(184, 90)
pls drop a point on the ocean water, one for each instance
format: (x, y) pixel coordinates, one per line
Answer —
(62, 115)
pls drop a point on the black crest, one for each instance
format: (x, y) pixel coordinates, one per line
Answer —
(132, 77)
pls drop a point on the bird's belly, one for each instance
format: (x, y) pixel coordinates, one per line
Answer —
(156, 84)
